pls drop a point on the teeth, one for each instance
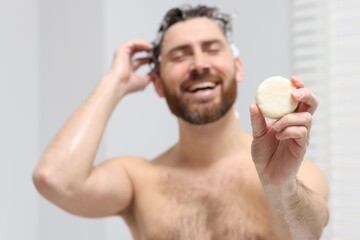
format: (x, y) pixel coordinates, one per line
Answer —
(202, 85)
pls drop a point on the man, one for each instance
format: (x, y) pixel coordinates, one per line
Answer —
(217, 182)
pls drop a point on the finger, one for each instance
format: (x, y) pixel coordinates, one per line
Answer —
(293, 119)
(297, 82)
(258, 123)
(128, 49)
(140, 82)
(136, 63)
(146, 80)
(308, 102)
(138, 45)
(298, 133)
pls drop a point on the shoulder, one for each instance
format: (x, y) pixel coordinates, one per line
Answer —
(127, 163)
(314, 178)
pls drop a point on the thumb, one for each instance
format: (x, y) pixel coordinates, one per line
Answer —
(258, 123)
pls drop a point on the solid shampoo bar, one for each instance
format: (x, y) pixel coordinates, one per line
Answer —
(273, 97)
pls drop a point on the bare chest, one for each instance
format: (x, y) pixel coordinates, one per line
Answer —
(224, 207)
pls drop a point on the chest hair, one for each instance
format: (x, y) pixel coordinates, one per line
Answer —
(225, 205)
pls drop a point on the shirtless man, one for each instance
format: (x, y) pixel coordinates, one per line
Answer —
(217, 182)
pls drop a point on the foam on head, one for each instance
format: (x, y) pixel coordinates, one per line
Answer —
(234, 50)
(184, 13)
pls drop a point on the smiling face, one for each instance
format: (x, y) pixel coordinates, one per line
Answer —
(198, 74)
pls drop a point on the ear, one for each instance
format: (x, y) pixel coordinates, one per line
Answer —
(157, 84)
(239, 70)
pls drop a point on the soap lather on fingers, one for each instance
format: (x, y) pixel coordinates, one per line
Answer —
(273, 97)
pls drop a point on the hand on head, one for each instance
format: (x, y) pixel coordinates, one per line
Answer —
(125, 64)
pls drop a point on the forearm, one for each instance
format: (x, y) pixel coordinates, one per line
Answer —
(68, 160)
(296, 212)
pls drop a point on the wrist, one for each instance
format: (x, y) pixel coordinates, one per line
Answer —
(109, 86)
(283, 191)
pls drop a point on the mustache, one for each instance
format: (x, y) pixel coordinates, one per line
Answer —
(195, 76)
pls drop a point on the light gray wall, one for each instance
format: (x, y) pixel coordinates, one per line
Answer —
(71, 60)
(19, 116)
(52, 55)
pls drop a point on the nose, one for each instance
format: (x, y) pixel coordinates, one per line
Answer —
(200, 63)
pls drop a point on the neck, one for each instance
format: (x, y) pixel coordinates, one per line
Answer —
(203, 145)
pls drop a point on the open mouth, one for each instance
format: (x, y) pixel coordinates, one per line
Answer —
(200, 86)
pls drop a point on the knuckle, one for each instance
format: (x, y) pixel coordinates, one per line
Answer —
(308, 118)
(303, 131)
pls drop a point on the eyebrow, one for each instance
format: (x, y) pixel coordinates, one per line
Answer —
(216, 41)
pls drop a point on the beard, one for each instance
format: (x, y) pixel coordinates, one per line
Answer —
(202, 112)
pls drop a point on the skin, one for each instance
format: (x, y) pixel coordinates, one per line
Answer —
(217, 182)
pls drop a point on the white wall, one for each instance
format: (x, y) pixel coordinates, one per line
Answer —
(52, 55)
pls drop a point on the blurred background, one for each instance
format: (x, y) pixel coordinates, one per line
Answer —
(53, 53)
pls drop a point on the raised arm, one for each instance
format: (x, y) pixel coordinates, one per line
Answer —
(296, 189)
(66, 174)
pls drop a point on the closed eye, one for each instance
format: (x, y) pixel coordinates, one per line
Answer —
(213, 47)
(213, 51)
(179, 55)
